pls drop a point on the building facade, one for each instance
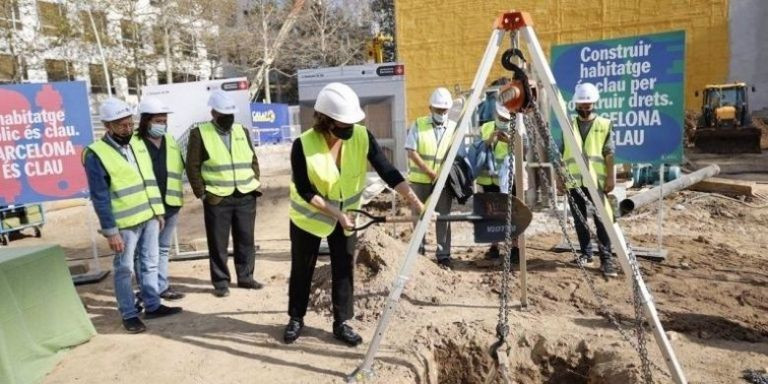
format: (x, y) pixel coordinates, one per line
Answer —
(55, 40)
(441, 42)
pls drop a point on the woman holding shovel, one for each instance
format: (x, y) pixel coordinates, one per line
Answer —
(329, 164)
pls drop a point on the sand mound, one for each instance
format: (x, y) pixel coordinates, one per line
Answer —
(377, 264)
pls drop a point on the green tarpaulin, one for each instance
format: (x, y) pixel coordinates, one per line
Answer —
(40, 313)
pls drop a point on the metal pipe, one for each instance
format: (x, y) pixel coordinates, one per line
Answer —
(628, 205)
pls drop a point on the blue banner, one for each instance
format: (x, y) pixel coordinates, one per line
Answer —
(43, 131)
(641, 83)
(269, 122)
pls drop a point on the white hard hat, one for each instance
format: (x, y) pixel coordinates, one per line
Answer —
(586, 93)
(502, 111)
(221, 102)
(153, 106)
(113, 109)
(441, 98)
(339, 102)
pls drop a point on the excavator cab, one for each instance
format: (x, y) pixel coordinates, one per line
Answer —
(725, 125)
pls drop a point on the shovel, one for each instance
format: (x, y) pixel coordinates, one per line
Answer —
(489, 217)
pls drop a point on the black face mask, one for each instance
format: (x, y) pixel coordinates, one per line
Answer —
(122, 139)
(343, 133)
(584, 113)
(225, 121)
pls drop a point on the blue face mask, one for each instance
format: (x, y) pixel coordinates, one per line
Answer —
(157, 130)
(503, 125)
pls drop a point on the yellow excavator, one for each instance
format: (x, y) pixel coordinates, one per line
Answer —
(725, 125)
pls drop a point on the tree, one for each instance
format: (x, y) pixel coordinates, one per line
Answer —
(331, 33)
(384, 22)
(259, 38)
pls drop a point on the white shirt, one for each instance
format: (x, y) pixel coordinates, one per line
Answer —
(412, 140)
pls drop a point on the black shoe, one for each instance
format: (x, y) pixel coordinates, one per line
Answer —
(446, 263)
(344, 332)
(493, 252)
(171, 295)
(134, 325)
(221, 292)
(608, 269)
(162, 311)
(253, 284)
(583, 260)
(422, 250)
(293, 330)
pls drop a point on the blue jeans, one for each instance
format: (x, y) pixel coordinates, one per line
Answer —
(142, 241)
(165, 238)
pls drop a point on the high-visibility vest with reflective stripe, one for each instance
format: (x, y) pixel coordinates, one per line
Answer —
(175, 165)
(344, 188)
(130, 189)
(174, 168)
(225, 170)
(500, 152)
(144, 161)
(429, 149)
(592, 150)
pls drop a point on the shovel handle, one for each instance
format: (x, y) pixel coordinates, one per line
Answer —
(373, 219)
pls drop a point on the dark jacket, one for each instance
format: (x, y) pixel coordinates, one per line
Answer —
(460, 180)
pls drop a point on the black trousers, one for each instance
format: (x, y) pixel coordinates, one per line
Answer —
(582, 231)
(237, 213)
(304, 249)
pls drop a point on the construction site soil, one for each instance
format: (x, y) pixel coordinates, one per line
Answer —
(710, 293)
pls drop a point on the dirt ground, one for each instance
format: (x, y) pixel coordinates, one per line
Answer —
(710, 293)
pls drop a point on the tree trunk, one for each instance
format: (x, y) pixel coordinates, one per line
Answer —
(263, 69)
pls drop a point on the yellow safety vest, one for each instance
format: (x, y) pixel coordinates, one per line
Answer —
(500, 152)
(344, 188)
(174, 192)
(225, 170)
(432, 152)
(174, 166)
(134, 195)
(592, 150)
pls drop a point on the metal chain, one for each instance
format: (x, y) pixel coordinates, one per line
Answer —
(640, 333)
(502, 329)
(543, 137)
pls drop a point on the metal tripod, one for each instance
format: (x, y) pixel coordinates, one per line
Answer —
(521, 23)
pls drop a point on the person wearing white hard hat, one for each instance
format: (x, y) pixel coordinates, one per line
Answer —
(595, 137)
(168, 166)
(126, 199)
(223, 171)
(427, 143)
(499, 165)
(329, 163)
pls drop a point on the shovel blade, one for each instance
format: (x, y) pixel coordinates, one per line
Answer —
(494, 207)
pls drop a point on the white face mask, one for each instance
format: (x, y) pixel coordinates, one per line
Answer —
(439, 118)
(502, 125)
(157, 130)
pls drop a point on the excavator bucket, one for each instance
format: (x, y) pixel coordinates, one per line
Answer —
(724, 141)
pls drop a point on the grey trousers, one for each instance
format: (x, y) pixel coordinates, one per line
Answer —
(443, 208)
